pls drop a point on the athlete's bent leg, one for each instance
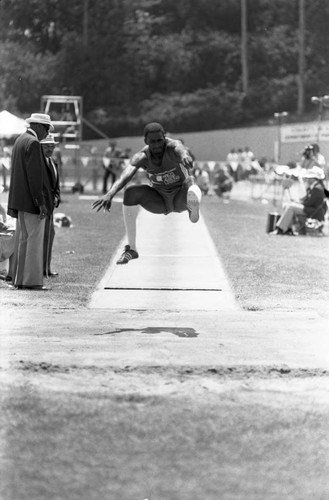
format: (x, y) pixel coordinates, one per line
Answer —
(145, 196)
(189, 199)
(193, 202)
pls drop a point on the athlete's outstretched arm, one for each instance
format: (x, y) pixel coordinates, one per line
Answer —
(106, 200)
(182, 152)
(186, 166)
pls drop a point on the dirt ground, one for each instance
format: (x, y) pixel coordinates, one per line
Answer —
(111, 405)
(167, 405)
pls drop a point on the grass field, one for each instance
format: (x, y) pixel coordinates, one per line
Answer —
(265, 272)
(186, 444)
(78, 432)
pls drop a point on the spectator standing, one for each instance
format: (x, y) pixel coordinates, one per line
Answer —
(319, 159)
(4, 162)
(30, 201)
(309, 158)
(124, 156)
(48, 146)
(57, 157)
(111, 164)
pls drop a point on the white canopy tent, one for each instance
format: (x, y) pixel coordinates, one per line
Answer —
(11, 125)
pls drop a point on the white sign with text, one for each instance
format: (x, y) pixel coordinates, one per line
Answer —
(305, 132)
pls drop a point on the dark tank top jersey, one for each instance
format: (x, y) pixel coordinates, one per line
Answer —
(170, 174)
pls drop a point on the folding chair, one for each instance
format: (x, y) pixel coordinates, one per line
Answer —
(302, 226)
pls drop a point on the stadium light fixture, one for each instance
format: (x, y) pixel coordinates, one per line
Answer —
(322, 102)
(279, 117)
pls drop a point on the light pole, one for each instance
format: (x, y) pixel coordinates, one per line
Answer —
(322, 101)
(279, 117)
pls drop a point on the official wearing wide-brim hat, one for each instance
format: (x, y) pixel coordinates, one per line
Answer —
(30, 201)
(40, 118)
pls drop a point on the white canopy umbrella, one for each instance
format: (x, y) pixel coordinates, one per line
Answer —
(11, 125)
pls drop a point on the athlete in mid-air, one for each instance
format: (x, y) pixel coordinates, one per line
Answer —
(168, 165)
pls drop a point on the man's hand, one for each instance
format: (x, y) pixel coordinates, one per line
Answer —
(57, 201)
(104, 202)
(43, 212)
(3, 213)
(187, 162)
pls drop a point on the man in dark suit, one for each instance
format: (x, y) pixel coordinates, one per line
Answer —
(48, 145)
(311, 205)
(29, 201)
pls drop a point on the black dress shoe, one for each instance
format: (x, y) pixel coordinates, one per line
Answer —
(276, 232)
(35, 288)
(5, 278)
(50, 274)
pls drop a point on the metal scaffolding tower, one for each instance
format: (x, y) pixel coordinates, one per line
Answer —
(66, 113)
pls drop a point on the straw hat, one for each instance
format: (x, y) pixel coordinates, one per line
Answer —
(40, 118)
(50, 139)
(314, 173)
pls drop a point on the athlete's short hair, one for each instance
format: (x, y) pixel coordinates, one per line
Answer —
(153, 127)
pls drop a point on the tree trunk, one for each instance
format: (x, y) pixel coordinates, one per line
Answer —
(244, 52)
(301, 59)
(85, 23)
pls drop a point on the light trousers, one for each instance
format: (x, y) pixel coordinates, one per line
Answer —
(26, 264)
(49, 236)
(289, 211)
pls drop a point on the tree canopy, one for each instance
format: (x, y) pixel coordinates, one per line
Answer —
(176, 61)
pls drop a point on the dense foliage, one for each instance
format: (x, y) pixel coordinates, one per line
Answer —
(177, 61)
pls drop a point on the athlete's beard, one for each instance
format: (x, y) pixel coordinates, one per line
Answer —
(158, 154)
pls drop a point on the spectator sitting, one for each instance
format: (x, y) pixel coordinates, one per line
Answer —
(202, 180)
(255, 167)
(239, 173)
(311, 205)
(232, 162)
(247, 159)
(223, 182)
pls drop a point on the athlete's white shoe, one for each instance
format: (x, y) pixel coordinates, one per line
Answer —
(193, 202)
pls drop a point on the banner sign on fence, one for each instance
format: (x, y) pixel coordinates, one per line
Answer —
(305, 132)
